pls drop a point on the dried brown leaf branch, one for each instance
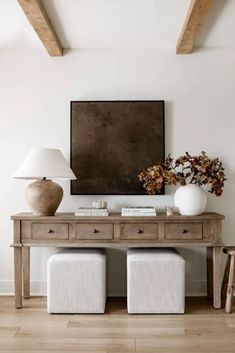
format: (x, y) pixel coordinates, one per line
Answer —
(187, 169)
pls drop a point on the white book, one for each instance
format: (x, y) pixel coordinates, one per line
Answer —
(145, 214)
(133, 212)
(139, 209)
(91, 210)
(91, 214)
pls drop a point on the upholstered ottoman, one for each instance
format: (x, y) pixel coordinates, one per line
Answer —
(76, 281)
(155, 281)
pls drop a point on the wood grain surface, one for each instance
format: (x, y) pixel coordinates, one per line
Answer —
(33, 330)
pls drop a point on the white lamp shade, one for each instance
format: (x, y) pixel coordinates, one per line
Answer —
(44, 163)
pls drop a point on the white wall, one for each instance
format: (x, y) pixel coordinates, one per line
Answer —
(35, 91)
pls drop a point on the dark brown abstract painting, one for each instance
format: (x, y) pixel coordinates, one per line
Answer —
(111, 142)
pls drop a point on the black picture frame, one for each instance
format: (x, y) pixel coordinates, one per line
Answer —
(79, 187)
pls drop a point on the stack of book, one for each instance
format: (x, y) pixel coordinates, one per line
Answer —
(139, 211)
(92, 212)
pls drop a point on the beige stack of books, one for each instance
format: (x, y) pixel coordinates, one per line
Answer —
(148, 211)
(92, 212)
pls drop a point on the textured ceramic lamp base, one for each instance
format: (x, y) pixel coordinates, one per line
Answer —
(44, 197)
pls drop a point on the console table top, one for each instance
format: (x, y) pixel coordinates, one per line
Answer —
(117, 217)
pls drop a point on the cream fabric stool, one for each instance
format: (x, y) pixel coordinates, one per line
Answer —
(155, 281)
(76, 281)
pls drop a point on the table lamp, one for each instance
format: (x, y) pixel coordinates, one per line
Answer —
(43, 164)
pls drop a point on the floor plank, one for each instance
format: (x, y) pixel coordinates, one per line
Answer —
(8, 331)
(66, 345)
(99, 332)
(183, 322)
(192, 344)
(33, 319)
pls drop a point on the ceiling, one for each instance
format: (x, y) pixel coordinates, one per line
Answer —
(118, 23)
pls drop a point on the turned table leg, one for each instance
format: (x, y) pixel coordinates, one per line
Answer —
(18, 276)
(26, 271)
(229, 296)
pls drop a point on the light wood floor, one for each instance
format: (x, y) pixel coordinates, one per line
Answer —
(31, 329)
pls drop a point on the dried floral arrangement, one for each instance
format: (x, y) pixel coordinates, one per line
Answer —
(187, 169)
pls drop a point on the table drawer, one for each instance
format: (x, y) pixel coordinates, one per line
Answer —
(50, 231)
(183, 231)
(138, 231)
(94, 231)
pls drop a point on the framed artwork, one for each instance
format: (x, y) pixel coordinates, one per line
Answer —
(111, 142)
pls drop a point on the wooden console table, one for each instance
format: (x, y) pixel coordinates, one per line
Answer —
(66, 230)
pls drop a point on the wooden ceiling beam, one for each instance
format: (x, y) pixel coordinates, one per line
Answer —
(37, 16)
(197, 13)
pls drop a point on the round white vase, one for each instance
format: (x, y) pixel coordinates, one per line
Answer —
(191, 200)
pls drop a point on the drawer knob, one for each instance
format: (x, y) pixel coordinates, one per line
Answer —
(50, 231)
(140, 231)
(184, 231)
(95, 231)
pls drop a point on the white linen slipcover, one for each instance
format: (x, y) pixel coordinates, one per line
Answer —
(155, 281)
(76, 281)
